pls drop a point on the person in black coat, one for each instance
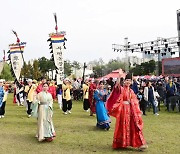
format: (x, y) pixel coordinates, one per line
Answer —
(162, 94)
(142, 102)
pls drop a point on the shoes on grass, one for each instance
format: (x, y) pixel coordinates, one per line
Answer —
(69, 112)
(49, 139)
(156, 114)
(143, 147)
(65, 113)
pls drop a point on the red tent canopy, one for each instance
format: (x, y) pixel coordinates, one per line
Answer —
(115, 74)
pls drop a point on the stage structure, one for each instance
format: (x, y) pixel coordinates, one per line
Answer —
(158, 47)
(57, 44)
(16, 56)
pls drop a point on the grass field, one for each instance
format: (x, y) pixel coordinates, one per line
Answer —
(76, 133)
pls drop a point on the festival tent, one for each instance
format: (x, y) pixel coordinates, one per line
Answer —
(113, 74)
(147, 77)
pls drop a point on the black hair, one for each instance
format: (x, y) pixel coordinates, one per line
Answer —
(128, 76)
(42, 78)
(101, 82)
(141, 88)
(46, 83)
(147, 82)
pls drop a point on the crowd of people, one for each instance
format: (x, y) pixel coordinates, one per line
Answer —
(125, 99)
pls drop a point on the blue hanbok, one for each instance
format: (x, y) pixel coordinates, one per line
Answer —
(103, 119)
(1, 95)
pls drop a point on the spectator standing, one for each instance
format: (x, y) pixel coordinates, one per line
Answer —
(142, 102)
(149, 96)
(170, 92)
(135, 86)
(67, 102)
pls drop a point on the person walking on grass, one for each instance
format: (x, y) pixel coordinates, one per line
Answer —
(85, 88)
(124, 106)
(40, 86)
(92, 87)
(52, 89)
(100, 95)
(45, 130)
(59, 95)
(67, 102)
(142, 102)
(2, 103)
(29, 90)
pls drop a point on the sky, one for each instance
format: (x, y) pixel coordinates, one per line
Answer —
(91, 26)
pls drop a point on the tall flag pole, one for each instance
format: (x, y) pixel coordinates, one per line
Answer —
(4, 55)
(16, 56)
(57, 44)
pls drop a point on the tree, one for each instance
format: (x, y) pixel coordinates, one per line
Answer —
(114, 64)
(67, 68)
(43, 65)
(36, 70)
(160, 67)
(30, 70)
(24, 70)
(100, 68)
(137, 70)
(76, 65)
(144, 69)
(6, 73)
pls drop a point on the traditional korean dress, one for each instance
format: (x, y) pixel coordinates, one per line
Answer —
(123, 104)
(92, 102)
(1, 97)
(52, 90)
(86, 104)
(45, 112)
(103, 119)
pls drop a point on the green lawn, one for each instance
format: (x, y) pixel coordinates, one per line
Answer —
(76, 133)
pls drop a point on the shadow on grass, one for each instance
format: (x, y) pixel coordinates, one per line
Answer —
(129, 149)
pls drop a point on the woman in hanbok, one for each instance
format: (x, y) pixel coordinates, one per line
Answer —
(45, 111)
(52, 89)
(2, 108)
(103, 120)
(1, 97)
(92, 88)
(124, 106)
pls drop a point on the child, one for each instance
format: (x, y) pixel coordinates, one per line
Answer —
(59, 95)
(142, 102)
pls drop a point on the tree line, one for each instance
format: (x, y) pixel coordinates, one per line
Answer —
(100, 68)
(39, 67)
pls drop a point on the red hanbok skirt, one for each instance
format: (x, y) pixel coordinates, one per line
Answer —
(126, 131)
